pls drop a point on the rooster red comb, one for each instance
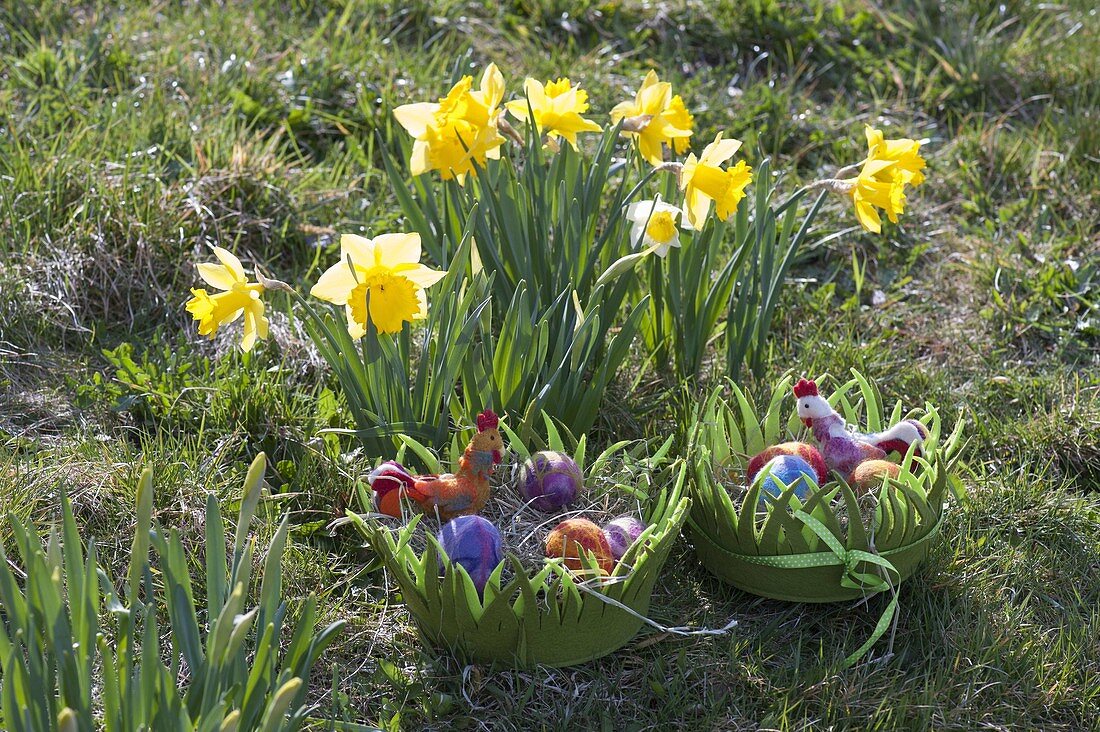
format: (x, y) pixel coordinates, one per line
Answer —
(805, 388)
(487, 420)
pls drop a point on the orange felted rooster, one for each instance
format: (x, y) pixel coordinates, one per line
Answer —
(450, 494)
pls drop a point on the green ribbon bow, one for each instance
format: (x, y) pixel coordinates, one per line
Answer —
(850, 559)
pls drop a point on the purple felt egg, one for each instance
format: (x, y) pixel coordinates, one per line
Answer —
(550, 480)
(474, 543)
(621, 533)
(788, 469)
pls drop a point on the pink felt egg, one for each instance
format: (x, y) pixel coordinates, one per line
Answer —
(621, 533)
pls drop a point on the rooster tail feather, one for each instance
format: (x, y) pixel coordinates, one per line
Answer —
(389, 475)
(900, 436)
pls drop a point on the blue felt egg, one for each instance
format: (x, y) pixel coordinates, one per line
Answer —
(474, 543)
(788, 469)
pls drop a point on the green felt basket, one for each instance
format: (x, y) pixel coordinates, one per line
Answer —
(546, 618)
(801, 551)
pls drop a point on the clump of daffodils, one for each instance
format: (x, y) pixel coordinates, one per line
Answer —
(381, 283)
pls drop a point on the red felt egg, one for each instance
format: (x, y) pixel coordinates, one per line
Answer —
(573, 536)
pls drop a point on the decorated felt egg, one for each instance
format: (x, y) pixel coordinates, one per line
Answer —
(474, 543)
(788, 469)
(621, 533)
(804, 450)
(572, 536)
(870, 474)
(550, 480)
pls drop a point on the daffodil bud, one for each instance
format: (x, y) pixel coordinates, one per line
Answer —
(636, 123)
(272, 284)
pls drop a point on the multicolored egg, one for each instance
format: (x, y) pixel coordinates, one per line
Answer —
(804, 450)
(788, 469)
(869, 475)
(572, 536)
(550, 480)
(621, 533)
(474, 543)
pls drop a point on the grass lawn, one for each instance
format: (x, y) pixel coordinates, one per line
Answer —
(131, 138)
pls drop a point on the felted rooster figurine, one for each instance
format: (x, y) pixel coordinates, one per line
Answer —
(842, 447)
(450, 494)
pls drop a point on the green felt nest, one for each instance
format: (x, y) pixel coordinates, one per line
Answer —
(829, 548)
(546, 618)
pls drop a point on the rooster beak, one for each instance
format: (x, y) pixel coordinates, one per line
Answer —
(808, 421)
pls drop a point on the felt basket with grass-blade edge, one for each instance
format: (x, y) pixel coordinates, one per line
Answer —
(801, 551)
(546, 617)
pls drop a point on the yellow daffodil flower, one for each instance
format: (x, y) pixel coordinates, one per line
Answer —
(681, 118)
(656, 225)
(905, 153)
(459, 132)
(557, 108)
(238, 296)
(878, 187)
(379, 280)
(703, 180)
(655, 117)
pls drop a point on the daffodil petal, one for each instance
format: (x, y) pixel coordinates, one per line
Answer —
(720, 150)
(874, 138)
(623, 109)
(231, 263)
(868, 217)
(355, 330)
(874, 167)
(649, 145)
(422, 275)
(415, 118)
(359, 248)
(390, 250)
(216, 275)
(518, 109)
(654, 99)
(418, 160)
(492, 86)
(535, 93)
(697, 207)
(335, 284)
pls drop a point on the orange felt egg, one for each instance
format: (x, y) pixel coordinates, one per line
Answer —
(572, 536)
(869, 475)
